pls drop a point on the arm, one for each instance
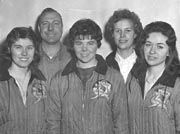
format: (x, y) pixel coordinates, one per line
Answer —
(177, 107)
(54, 108)
(120, 113)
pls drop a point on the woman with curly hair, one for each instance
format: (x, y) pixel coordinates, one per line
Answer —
(22, 93)
(153, 92)
(122, 31)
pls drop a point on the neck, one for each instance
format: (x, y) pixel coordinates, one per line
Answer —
(16, 71)
(125, 53)
(51, 49)
(85, 65)
(156, 70)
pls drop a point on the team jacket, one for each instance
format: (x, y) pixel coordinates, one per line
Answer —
(15, 116)
(159, 111)
(99, 107)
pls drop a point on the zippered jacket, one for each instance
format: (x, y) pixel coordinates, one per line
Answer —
(159, 111)
(99, 107)
(17, 117)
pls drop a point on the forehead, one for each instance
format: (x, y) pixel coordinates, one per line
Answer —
(23, 42)
(124, 23)
(157, 37)
(50, 16)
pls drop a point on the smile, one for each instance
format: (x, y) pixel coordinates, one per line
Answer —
(24, 59)
(122, 41)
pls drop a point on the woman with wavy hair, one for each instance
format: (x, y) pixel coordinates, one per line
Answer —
(122, 31)
(22, 90)
(153, 92)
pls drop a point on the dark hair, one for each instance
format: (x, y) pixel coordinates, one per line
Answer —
(172, 61)
(118, 15)
(46, 10)
(85, 27)
(14, 35)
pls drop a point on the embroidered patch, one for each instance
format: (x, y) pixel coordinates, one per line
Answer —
(39, 91)
(160, 98)
(102, 88)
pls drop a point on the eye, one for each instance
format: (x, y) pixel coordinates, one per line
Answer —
(56, 22)
(91, 42)
(147, 44)
(30, 47)
(77, 43)
(128, 30)
(44, 23)
(117, 30)
(160, 46)
(17, 47)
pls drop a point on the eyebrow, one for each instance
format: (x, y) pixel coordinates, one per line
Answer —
(160, 43)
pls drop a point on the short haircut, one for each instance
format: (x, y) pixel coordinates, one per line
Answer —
(46, 10)
(85, 27)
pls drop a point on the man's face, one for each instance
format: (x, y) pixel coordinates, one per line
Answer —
(50, 27)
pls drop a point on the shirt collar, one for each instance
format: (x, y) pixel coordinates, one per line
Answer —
(131, 59)
(100, 68)
(59, 54)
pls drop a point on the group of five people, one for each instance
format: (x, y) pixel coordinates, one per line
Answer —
(49, 88)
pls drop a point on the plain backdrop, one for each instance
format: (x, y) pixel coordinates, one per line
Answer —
(15, 13)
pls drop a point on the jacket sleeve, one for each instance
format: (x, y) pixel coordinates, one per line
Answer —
(177, 107)
(120, 113)
(54, 108)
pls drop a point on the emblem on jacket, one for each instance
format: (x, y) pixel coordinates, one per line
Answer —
(38, 90)
(102, 88)
(160, 98)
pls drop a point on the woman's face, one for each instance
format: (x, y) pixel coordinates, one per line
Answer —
(22, 52)
(85, 49)
(156, 49)
(124, 34)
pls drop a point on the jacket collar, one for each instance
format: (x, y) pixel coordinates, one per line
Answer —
(100, 68)
(166, 78)
(35, 73)
(111, 61)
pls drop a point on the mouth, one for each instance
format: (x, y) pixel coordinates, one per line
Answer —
(123, 41)
(152, 58)
(24, 59)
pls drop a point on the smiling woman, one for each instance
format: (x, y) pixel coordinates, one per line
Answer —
(21, 111)
(154, 94)
(87, 96)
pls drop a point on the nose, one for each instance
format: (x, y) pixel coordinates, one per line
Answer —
(50, 27)
(84, 47)
(24, 52)
(153, 49)
(122, 34)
